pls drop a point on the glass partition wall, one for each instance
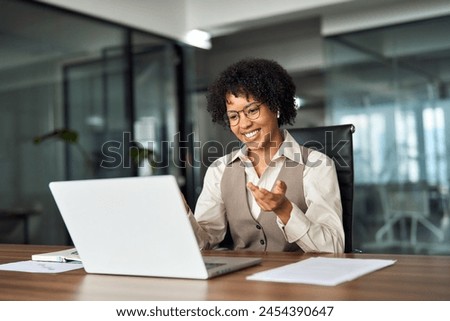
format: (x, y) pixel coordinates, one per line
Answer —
(79, 98)
(393, 84)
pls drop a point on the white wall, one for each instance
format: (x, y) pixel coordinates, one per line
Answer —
(297, 46)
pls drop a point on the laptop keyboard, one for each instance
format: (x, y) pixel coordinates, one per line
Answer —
(213, 265)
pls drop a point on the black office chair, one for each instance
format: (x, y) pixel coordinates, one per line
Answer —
(337, 143)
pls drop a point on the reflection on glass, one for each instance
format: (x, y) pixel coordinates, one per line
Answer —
(394, 89)
(66, 73)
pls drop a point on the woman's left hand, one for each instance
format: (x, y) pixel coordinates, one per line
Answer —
(274, 201)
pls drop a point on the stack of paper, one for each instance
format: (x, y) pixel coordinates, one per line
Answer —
(322, 271)
(58, 256)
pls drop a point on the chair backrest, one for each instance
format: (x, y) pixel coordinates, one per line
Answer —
(337, 143)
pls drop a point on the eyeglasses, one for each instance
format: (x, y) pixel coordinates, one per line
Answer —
(250, 111)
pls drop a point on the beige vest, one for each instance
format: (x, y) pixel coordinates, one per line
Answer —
(263, 234)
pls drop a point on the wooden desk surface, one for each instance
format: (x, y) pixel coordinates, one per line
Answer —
(413, 277)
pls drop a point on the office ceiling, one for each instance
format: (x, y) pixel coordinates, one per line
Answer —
(24, 39)
(27, 40)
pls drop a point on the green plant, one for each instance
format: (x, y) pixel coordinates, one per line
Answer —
(68, 136)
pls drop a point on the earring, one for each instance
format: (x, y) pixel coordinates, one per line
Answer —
(278, 114)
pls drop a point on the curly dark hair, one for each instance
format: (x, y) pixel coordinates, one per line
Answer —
(263, 79)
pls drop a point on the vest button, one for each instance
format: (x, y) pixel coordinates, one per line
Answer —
(262, 242)
(258, 227)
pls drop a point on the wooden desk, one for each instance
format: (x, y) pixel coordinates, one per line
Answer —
(411, 278)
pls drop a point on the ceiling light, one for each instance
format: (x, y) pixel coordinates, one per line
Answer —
(298, 102)
(198, 38)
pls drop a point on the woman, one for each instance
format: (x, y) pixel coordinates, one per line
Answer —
(267, 193)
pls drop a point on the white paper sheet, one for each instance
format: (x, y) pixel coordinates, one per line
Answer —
(322, 271)
(40, 267)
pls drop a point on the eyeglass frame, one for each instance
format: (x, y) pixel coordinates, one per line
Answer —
(258, 108)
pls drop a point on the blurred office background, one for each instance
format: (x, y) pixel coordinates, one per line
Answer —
(95, 89)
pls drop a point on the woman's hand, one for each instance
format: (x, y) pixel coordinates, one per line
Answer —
(274, 201)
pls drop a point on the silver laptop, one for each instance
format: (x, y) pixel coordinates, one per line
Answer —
(136, 226)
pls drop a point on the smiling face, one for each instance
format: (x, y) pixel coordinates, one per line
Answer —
(260, 133)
